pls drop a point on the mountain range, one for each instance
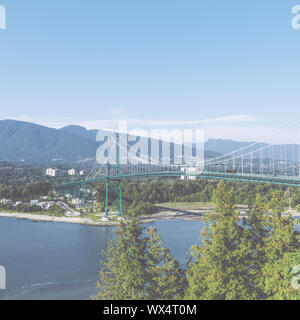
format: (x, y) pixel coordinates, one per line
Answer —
(31, 142)
(25, 141)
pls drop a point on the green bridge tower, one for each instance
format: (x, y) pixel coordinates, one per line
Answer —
(113, 193)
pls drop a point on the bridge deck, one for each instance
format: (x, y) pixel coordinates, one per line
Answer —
(279, 180)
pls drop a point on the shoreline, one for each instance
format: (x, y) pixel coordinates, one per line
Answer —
(45, 218)
(164, 214)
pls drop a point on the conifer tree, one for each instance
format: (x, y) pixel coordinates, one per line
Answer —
(166, 280)
(136, 266)
(257, 233)
(224, 204)
(281, 235)
(280, 278)
(280, 242)
(123, 274)
(220, 268)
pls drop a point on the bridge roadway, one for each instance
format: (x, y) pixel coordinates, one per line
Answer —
(261, 178)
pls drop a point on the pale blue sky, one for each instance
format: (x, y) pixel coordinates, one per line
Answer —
(70, 61)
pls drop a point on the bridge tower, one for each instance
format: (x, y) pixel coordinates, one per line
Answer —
(113, 193)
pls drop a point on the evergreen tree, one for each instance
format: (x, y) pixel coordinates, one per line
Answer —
(281, 230)
(257, 233)
(166, 280)
(280, 242)
(124, 268)
(224, 201)
(279, 277)
(136, 266)
(220, 268)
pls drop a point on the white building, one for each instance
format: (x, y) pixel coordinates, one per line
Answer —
(72, 172)
(53, 172)
(72, 214)
(6, 201)
(76, 201)
(190, 173)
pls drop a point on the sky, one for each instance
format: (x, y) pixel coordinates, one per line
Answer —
(230, 67)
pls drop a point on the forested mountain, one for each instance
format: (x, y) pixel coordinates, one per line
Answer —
(31, 142)
(27, 141)
(225, 146)
(81, 132)
(289, 152)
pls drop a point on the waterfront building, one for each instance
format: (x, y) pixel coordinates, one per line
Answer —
(53, 172)
(72, 172)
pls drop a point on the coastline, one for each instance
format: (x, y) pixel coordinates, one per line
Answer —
(164, 214)
(45, 218)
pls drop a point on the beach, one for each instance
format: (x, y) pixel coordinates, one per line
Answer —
(164, 214)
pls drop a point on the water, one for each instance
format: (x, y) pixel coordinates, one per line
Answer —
(62, 261)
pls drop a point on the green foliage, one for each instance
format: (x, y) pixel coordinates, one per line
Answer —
(281, 237)
(166, 280)
(278, 277)
(223, 200)
(173, 190)
(219, 269)
(13, 175)
(235, 261)
(123, 274)
(24, 193)
(140, 207)
(6, 206)
(136, 266)
(24, 207)
(256, 235)
(244, 262)
(55, 211)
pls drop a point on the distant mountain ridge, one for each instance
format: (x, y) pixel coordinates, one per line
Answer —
(220, 146)
(225, 146)
(92, 134)
(213, 147)
(30, 142)
(81, 132)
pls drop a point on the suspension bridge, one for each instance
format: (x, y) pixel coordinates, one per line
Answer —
(275, 162)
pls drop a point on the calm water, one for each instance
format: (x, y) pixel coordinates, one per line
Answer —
(62, 261)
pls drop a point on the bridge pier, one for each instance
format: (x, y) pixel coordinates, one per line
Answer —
(109, 188)
(110, 202)
(105, 218)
